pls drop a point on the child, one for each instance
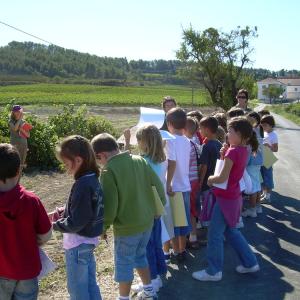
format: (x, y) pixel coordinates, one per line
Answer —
(190, 131)
(129, 206)
(151, 147)
(227, 209)
(254, 166)
(18, 136)
(270, 140)
(167, 104)
(222, 120)
(235, 112)
(197, 138)
(208, 158)
(82, 220)
(178, 155)
(24, 225)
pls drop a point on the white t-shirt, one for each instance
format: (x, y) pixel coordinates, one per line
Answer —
(179, 150)
(270, 138)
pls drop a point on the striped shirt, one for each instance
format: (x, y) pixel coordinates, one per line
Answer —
(193, 169)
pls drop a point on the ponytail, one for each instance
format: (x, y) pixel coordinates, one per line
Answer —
(253, 142)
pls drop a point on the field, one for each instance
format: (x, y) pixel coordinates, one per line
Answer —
(100, 95)
(289, 111)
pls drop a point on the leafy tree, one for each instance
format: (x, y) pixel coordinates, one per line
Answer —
(273, 91)
(217, 60)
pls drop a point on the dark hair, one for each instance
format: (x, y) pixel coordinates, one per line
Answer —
(243, 126)
(104, 142)
(245, 92)
(222, 120)
(211, 123)
(264, 112)
(176, 117)
(168, 99)
(76, 145)
(268, 119)
(195, 114)
(256, 116)
(235, 112)
(9, 161)
(221, 135)
(191, 125)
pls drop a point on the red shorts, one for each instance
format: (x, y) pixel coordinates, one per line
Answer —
(193, 198)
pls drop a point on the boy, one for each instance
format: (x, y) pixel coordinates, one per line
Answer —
(127, 182)
(270, 140)
(190, 132)
(24, 225)
(178, 155)
(167, 104)
(210, 153)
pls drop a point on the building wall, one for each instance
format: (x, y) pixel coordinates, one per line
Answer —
(293, 92)
(261, 86)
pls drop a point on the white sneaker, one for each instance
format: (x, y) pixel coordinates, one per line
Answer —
(250, 212)
(240, 224)
(157, 283)
(144, 295)
(136, 288)
(203, 276)
(243, 270)
(259, 209)
(266, 199)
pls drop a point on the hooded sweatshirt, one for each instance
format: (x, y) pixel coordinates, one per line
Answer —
(22, 218)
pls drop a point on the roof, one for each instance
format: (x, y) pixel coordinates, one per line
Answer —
(285, 81)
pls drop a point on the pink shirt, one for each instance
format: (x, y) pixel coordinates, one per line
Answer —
(230, 200)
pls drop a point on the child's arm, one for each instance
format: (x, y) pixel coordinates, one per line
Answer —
(127, 136)
(170, 175)
(44, 238)
(202, 174)
(224, 175)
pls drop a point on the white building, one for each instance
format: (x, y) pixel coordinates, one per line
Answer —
(291, 87)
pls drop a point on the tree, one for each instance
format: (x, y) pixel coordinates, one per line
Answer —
(217, 59)
(273, 92)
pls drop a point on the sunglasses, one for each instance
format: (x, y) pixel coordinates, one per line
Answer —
(241, 97)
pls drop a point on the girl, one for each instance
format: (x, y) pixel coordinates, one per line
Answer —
(270, 140)
(151, 148)
(227, 209)
(82, 220)
(254, 166)
(18, 136)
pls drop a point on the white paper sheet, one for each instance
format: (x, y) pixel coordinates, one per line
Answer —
(47, 264)
(218, 169)
(147, 116)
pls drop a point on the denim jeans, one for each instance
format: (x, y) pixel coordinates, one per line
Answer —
(81, 273)
(19, 289)
(155, 254)
(215, 251)
(130, 253)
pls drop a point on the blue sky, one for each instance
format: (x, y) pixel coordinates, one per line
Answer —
(153, 29)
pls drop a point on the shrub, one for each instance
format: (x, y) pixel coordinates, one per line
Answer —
(4, 118)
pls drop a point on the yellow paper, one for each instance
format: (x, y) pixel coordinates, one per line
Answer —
(159, 208)
(269, 157)
(178, 210)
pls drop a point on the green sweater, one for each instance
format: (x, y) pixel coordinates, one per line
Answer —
(127, 182)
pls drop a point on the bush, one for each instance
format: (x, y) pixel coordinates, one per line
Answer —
(4, 118)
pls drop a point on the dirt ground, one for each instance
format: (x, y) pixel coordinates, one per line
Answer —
(53, 189)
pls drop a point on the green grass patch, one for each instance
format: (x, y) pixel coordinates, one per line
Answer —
(253, 103)
(289, 111)
(100, 95)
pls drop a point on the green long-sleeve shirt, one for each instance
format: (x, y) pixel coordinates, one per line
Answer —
(127, 182)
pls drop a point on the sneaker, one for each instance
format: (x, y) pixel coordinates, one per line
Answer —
(193, 245)
(266, 199)
(146, 295)
(203, 276)
(240, 224)
(157, 284)
(136, 288)
(243, 270)
(250, 212)
(180, 257)
(259, 209)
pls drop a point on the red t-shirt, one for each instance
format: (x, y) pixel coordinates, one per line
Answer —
(22, 217)
(239, 156)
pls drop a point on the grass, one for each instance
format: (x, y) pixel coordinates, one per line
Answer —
(99, 95)
(289, 111)
(253, 103)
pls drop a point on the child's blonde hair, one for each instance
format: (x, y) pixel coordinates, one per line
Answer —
(150, 143)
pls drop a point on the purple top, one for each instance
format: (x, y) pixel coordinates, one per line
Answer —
(72, 240)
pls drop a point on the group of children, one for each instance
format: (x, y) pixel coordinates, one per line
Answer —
(126, 198)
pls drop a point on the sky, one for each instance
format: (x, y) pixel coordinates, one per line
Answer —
(139, 29)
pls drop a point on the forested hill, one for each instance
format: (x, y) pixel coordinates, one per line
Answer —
(41, 62)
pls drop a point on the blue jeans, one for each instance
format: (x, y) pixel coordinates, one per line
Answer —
(130, 253)
(267, 175)
(19, 289)
(215, 252)
(155, 254)
(81, 273)
(185, 230)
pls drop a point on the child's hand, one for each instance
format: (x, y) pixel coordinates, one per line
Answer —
(170, 191)
(223, 150)
(127, 135)
(210, 181)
